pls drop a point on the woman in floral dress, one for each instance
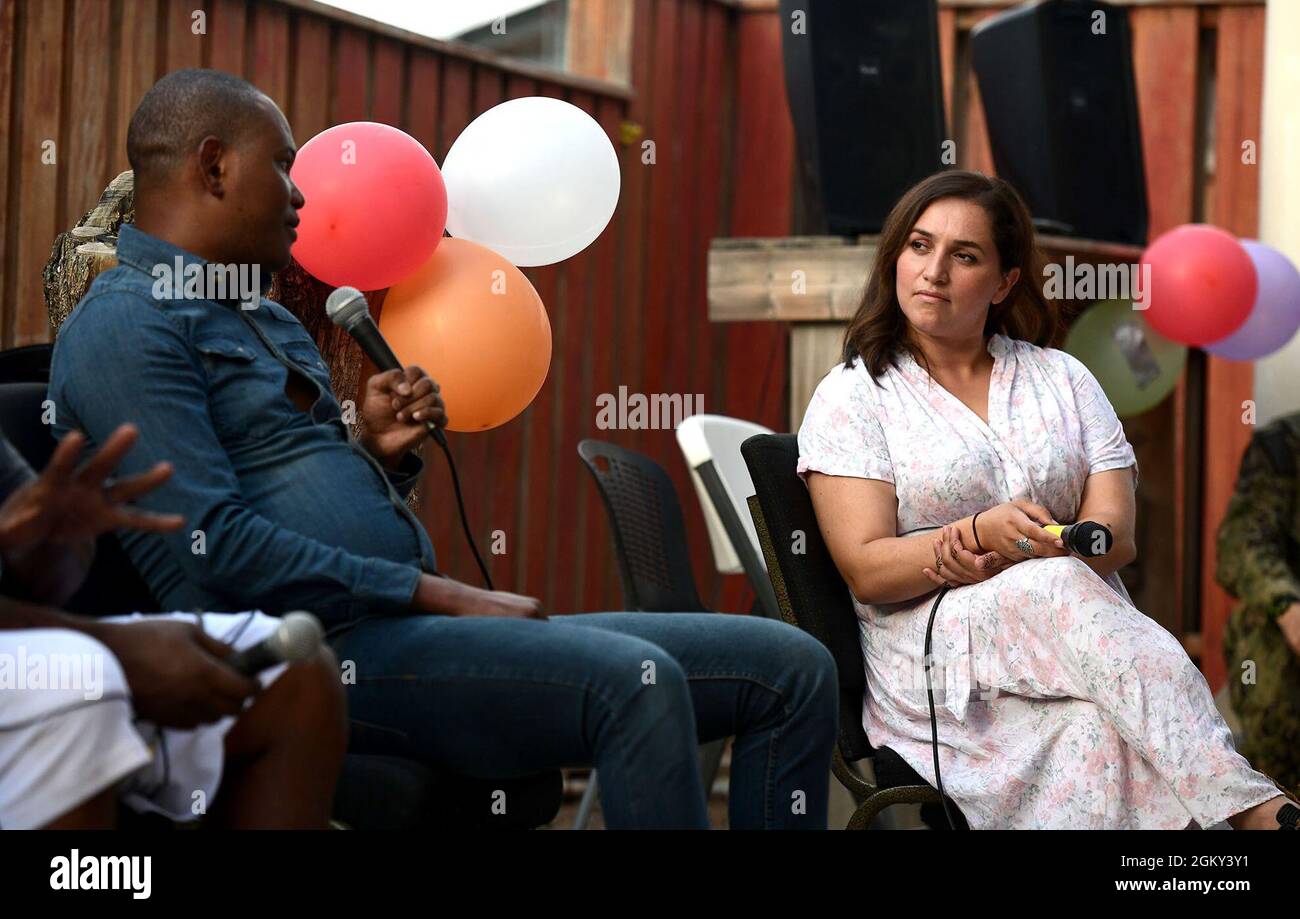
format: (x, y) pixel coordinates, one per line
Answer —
(934, 455)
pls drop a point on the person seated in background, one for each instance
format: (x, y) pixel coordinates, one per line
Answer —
(141, 707)
(1259, 564)
(936, 455)
(292, 511)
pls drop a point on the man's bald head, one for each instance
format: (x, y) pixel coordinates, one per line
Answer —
(179, 111)
(212, 156)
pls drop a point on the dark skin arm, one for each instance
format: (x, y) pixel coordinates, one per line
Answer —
(48, 525)
(394, 410)
(442, 596)
(174, 669)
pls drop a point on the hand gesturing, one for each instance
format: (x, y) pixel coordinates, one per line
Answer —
(68, 503)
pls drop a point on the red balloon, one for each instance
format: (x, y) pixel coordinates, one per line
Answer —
(1202, 284)
(375, 208)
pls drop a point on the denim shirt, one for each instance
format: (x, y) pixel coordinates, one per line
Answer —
(283, 509)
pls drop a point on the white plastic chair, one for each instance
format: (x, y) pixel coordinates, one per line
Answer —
(711, 446)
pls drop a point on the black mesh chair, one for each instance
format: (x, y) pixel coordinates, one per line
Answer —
(645, 521)
(374, 792)
(649, 534)
(814, 597)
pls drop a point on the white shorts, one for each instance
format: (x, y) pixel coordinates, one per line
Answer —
(67, 731)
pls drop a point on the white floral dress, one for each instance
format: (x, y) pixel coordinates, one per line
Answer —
(1059, 703)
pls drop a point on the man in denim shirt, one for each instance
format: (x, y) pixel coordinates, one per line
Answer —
(285, 511)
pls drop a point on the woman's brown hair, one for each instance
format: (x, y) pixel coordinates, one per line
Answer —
(878, 330)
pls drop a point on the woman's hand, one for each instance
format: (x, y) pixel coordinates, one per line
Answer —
(955, 565)
(1000, 527)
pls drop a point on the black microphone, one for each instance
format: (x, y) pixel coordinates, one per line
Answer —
(1084, 538)
(297, 638)
(347, 308)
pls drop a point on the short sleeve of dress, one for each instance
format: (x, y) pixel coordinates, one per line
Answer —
(1104, 442)
(841, 433)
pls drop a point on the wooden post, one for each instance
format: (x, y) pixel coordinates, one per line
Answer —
(599, 39)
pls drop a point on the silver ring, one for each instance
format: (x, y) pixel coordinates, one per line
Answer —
(1024, 545)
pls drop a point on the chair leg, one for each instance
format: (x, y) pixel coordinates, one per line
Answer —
(586, 804)
(710, 762)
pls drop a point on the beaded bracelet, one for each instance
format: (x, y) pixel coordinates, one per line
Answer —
(976, 532)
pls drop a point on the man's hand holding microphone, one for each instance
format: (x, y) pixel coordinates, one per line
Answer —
(402, 406)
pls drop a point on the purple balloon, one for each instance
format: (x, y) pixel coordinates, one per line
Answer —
(1275, 315)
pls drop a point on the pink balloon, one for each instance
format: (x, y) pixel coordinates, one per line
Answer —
(1202, 284)
(375, 208)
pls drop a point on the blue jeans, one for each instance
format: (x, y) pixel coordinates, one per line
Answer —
(633, 694)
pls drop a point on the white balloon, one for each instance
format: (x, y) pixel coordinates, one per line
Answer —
(533, 179)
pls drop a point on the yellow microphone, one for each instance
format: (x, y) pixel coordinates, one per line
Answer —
(1084, 538)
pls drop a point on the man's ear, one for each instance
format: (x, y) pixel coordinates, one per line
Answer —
(212, 165)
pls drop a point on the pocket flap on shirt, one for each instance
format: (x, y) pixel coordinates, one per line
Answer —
(226, 348)
(305, 353)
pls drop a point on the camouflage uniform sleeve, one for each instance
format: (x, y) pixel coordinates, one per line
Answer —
(1253, 538)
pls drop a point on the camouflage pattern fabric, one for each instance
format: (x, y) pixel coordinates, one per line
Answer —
(1259, 564)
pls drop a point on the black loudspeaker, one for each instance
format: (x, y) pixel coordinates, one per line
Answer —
(1056, 78)
(866, 98)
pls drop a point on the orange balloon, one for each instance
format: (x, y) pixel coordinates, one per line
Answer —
(472, 321)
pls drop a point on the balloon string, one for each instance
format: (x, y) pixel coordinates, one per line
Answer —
(460, 506)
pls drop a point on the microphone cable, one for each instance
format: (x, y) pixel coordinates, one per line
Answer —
(460, 504)
(934, 723)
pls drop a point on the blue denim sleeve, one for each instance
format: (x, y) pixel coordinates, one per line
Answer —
(124, 359)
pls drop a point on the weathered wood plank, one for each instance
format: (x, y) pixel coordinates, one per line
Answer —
(269, 68)
(1164, 67)
(8, 127)
(814, 349)
(602, 371)
(351, 85)
(309, 112)
(1229, 384)
(87, 145)
(386, 100)
(41, 157)
(423, 85)
(184, 44)
(226, 24)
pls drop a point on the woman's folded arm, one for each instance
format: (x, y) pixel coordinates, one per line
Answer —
(858, 519)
